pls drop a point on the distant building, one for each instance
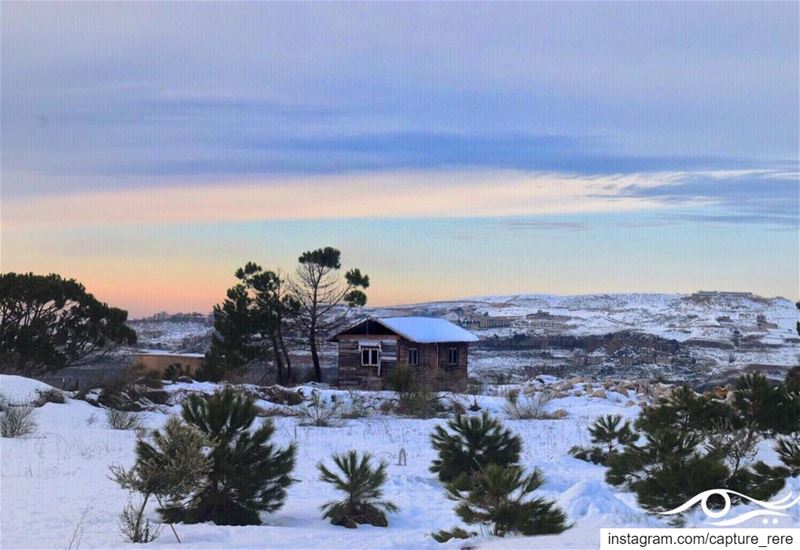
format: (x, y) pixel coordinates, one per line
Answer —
(436, 349)
(721, 294)
(488, 321)
(158, 361)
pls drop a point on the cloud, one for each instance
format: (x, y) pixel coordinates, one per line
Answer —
(111, 96)
(756, 197)
(746, 196)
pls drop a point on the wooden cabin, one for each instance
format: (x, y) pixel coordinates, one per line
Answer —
(371, 349)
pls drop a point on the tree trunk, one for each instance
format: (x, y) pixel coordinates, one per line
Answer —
(312, 341)
(276, 352)
(286, 359)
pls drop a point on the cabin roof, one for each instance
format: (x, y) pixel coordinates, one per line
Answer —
(423, 330)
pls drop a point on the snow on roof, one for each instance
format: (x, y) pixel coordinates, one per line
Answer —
(427, 330)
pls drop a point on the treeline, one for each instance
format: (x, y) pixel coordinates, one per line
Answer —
(48, 323)
(252, 322)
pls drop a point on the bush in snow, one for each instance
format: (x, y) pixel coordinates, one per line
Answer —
(414, 398)
(170, 466)
(609, 435)
(123, 420)
(362, 483)
(318, 411)
(17, 420)
(134, 527)
(51, 395)
(358, 408)
(532, 407)
(470, 444)
(499, 500)
(249, 474)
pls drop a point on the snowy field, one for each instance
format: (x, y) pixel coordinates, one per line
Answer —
(55, 491)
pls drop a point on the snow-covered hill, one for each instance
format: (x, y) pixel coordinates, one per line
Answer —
(702, 338)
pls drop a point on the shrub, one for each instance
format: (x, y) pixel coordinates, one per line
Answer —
(402, 379)
(17, 420)
(363, 486)
(358, 407)
(498, 499)
(387, 407)
(528, 407)
(608, 437)
(470, 444)
(123, 420)
(319, 412)
(51, 395)
(174, 371)
(249, 474)
(414, 397)
(135, 527)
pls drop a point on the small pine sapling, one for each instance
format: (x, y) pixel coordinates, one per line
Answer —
(499, 500)
(170, 467)
(363, 486)
(609, 435)
(470, 444)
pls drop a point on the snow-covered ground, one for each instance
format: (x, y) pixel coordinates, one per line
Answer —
(55, 491)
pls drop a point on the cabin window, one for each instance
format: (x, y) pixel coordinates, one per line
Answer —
(452, 356)
(413, 357)
(370, 357)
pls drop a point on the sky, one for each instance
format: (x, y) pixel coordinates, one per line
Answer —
(448, 149)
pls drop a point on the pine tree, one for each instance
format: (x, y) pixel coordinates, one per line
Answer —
(684, 411)
(789, 452)
(171, 467)
(499, 500)
(324, 298)
(249, 325)
(248, 475)
(363, 486)
(667, 470)
(472, 443)
(608, 436)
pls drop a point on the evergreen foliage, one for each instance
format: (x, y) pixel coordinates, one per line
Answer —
(48, 323)
(499, 500)
(695, 443)
(683, 411)
(248, 474)
(249, 325)
(667, 470)
(609, 434)
(323, 298)
(362, 484)
(471, 444)
(789, 452)
(170, 467)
